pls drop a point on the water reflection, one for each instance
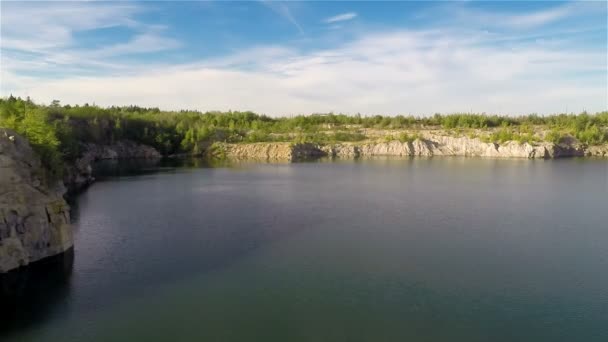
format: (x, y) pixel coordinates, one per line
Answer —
(109, 169)
(31, 294)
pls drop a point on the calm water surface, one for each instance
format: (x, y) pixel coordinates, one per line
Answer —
(379, 250)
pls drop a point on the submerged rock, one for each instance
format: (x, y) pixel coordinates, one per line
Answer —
(34, 217)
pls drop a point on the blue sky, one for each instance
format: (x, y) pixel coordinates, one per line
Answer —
(284, 58)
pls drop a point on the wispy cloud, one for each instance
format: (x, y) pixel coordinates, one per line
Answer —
(282, 9)
(141, 43)
(468, 15)
(541, 17)
(341, 17)
(50, 24)
(46, 42)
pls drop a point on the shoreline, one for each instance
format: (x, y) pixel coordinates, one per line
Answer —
(79, 173)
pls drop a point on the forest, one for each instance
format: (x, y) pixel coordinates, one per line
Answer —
(57, 131)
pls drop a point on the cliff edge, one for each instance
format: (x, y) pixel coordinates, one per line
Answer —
(34, 217)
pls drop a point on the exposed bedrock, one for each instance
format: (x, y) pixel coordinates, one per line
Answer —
(34, 217)
(428, 146)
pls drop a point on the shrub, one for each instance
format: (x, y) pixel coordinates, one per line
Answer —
(555, 136)
(592, 135)
(404, 137)
(501, 136)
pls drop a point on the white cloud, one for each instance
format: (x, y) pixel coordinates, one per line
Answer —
(387, 72)
(341, 17)
(418, 72)
(52, 24)
(45, 42)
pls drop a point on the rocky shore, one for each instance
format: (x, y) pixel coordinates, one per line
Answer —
(34, 215)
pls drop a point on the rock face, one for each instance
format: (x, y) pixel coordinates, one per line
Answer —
(427, 146)
(262, 151)
(272, 151)
(79, 175)
(597, 151)
(34, 217)
(124, 149)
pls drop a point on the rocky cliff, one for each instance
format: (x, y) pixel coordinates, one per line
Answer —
(427, 146)
(34, 217)
(79, 174)
(270, 151)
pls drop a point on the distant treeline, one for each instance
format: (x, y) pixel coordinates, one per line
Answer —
(57, 131)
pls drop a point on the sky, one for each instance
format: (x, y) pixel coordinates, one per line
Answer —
(287, 58)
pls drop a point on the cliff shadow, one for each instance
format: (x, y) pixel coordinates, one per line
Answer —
(30, 295)
(113, 168)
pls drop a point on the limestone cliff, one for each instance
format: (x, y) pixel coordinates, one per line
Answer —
(427, 146)
(597, 151)
(34, 217)
(268, 151)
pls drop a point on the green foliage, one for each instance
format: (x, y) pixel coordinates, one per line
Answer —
(404, 137)
(528, 138)
(500, 136)
(347, 136)
(389, 138)
(319, 137)
(218, 150)
(522, 135)
(32, 122)
(592, 135)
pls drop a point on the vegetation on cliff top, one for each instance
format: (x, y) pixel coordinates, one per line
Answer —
(57, 131)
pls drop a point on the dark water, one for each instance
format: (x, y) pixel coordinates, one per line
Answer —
(378, 250)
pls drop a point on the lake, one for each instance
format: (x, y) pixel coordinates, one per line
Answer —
(441, 249)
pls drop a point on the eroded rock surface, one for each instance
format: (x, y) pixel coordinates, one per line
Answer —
(34, 217)
(427, 146)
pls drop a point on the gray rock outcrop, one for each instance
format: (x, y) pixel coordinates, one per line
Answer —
(34, 217)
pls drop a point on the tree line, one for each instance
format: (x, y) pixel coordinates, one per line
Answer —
(57, 131)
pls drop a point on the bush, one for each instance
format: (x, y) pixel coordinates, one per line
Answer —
(525, 138)
(501, 136)
(404, 137)
(555, 136)
(592, 135)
